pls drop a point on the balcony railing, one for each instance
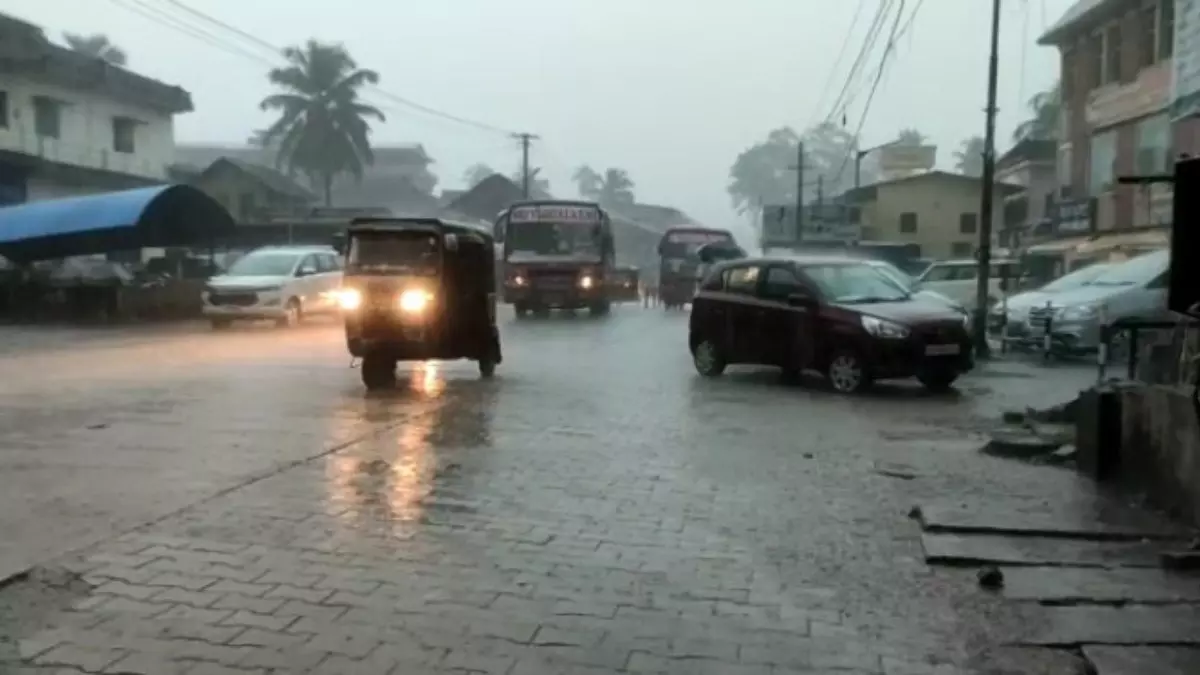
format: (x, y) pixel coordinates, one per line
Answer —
(81, 155)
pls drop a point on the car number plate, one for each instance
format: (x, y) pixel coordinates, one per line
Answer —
(942, 350)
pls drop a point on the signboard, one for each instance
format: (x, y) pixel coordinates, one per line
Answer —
(778, 225)
(903, 159)
(555, 213)
(1077, 216)
(698, 237)
(1185, 86)
(1114, 104)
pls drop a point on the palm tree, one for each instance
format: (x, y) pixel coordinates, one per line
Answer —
(910, 137)
(968, 159)
(1043, 125)
(587, 182)
(96, 46)
(476, 174)
(322, 130)
(616, 187)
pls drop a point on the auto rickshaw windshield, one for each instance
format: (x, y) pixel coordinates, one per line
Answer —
(416, 253)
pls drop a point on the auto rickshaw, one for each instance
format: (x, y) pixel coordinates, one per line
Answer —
(415, 289)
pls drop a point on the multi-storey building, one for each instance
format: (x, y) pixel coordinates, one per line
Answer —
(1116, 85)
(71, 124)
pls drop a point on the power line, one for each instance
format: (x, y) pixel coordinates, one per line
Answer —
(277, 52)
(868, 43)
(887, 50)
(837, 63)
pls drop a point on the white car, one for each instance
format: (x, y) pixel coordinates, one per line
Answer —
(956, 279)
(279, 283)
(1013, 311)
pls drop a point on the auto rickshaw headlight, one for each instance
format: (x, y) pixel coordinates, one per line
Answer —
(349, 299)
(414, 301)
(586, 281)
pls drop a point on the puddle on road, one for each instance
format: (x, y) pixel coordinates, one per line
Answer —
(31, 603)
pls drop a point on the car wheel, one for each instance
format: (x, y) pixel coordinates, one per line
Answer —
(708, 359)
(938, 381)
(221, 324)
(847, 372)
(378, 372)
(599, 309)
(520, 310)
(292, 314)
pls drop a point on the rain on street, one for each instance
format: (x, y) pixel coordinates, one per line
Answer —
(195, 502)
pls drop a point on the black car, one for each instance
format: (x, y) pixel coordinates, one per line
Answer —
(838, 316)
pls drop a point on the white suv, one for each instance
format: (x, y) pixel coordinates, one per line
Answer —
(280, 283)
(956, 279)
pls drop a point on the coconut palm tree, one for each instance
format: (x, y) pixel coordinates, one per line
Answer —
(96, 46)
(537, 184)
(587, 182)
(968, 159)
(323, 129)
(1043, 124)
(616, 187)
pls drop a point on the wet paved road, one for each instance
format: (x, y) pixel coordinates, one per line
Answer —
(595, 508)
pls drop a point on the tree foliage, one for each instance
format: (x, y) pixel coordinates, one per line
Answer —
(968, 159)
(911, 137)
(323, 128)
(764, 173)
(96, 46)
(537, 184)
(1042, 124)
(476, 174)
(587, 182)
(612, 187)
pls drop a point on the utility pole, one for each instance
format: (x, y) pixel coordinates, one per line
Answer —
(798, 167)
(525, 139)
(820, 191)
(986, 198)
(858, 158)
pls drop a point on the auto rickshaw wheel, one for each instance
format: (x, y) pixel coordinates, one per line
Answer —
(378, 372)
(487, 367)
(521, 310)
(292, 314)
(600, 308)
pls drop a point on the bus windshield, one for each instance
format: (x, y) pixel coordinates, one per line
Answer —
(553, 239)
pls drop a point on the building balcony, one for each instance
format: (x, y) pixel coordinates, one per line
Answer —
(57, 151)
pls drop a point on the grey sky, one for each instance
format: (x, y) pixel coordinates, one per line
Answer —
(670, 90)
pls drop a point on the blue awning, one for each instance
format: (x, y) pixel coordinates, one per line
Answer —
(163, 215)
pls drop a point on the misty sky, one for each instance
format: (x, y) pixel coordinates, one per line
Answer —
(670, 90)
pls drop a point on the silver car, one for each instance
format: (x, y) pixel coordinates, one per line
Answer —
(1013, 313)
(1134, 289)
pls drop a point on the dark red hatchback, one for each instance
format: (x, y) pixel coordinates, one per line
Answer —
(838, 316)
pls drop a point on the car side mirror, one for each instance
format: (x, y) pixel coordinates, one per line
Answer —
(306, 271)
(801, 300)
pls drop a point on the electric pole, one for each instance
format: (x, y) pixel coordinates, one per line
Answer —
(798, 167)
(525, 140)
(986, 197)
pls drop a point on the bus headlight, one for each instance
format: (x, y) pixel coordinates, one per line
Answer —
(349, 299)
(414, 301)
(586, 282)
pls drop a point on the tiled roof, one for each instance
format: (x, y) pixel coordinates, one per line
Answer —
(269, 177)
(491, 196)
(1076, 15)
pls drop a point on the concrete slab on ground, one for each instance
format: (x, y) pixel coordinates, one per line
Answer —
(1143, 660)
(1066, 584)
(1037, 517)
(1070, 626)
(982, 549)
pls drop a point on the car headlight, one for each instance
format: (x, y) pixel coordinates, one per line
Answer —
(349, 299)
(414, 301)
(880, 328)
(1077, 313)
(518, 280)
(586, 281)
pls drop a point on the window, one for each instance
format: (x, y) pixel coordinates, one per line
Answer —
(713, 282)
(1104, 154)
(326, 263)
(1112, 54)
(949, 272)
(1148, 36)
(1095, 55)
(47, 117)
(908, 222)
(780, 282)
(961, 249)
(966, 223)
(123, 132)
(307, 266)
(741, 280)
(3, 109)
(1070, 56)
(1064, 166)
(1153, 145)
(1166, 29)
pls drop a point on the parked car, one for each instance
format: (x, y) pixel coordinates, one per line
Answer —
(280, 283)
(957, 279)
(1134, 289)
(910, 284)
(840, 316)
(1014, 311)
